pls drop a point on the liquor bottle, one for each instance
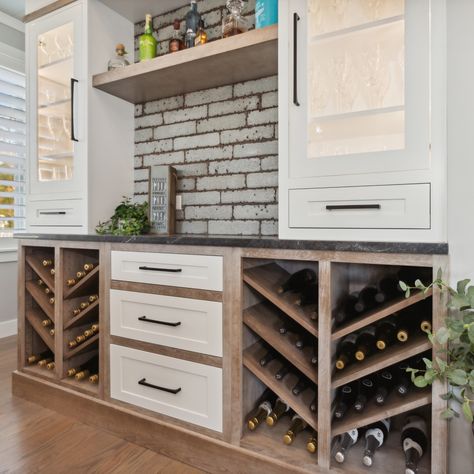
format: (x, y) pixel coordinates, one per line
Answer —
(347, 440)
(312, 443)
(51, 300)
(119, 61)
(90, 367)
(313, 406)
(34, 358)
(388, 289)
(270, 355)
(282, 371)
(93, 298)
(346, 351)
(52, 332)
(233, 22)
(94, 379)
(192, 24)
(346, 309)
(298, 281)
(279, 409)
(176, 42)
(375, 436)
(384, 385)
(309, 295)
(45, 361)
(385, 333)
(88, 267)
(201, 35)
(263, 408)
(365, 392)
(366, 300)
(46, 323)
(414, 439)
(70, 282)
(365, 343)
(345, 400)
(296, 427)
(51, 365)
(300, 386)
(47, 262)
(147, 42)
(52, 271)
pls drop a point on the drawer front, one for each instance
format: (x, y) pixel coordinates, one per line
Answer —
(147, 380)
(203, 272)
(369, 207)
(55, 213)
(184, 323)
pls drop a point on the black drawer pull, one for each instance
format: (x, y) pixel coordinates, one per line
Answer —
(164, 323)
(153, 269)
(52, 213)
(353, 206)
(296, 19)
(174, 391)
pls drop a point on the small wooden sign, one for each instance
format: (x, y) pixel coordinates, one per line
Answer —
(162, 199)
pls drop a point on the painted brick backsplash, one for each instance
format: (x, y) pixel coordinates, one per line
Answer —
(222, 142)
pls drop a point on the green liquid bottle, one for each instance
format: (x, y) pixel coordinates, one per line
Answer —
(147, 42)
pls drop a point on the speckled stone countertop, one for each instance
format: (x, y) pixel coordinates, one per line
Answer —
(254, 242)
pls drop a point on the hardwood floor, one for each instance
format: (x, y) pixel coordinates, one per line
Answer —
(36, 440)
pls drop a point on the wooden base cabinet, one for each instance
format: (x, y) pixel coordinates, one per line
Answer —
(180, 368)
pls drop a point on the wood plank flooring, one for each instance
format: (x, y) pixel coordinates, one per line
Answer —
(36, 440)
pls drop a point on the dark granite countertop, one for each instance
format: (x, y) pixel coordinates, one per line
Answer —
(254, 242)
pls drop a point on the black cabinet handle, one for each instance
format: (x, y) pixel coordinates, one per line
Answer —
(296, 19)
(52, 213)
(155, 321)
(352, 207)
(73, 83)
(153, 269)
(174, 391)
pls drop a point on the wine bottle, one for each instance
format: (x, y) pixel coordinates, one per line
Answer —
(344, 400)
(282, 371)
(366, 300)
(263, 408)
(81, 274)
(146, 42)
(314, 354)
(46, 323)
(45, 361)
(88, 267)
(347, 440)
(312, 443)
(40, 282)
(51, 365)
(365, 343)
(300, 386)
(95, 327)
(296, 427)
(403, 381)
(279, 409)
(32, 359)
(308, 295)
(94, 378)
(385, 384)
(47, 262)
(51, 300)
(89, 333)
(76, 311)
(425, 325)
(270, 355)
(70, 282)
(52, 271)
(346, 351)
(84, 304)
(388, 289)
(366, 391)
(298, 281)
(313, 406)
(72, 344)
(47, 290)
(375, 436)
(346, 309)
(414, 439)
(303, 340)
(93, 298)
(52, 332)
(288, 326)
(90, 367)
(385, 334)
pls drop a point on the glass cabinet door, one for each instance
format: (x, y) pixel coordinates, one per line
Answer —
(361, 81)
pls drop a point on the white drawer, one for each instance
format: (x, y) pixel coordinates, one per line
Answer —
(198, 397)
(361, 207)
(184, 323)
(55, 213)
(203, 272)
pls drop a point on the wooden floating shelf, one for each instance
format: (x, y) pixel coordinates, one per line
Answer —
(243, 57)
(81, 347)
(264, 321)
(266, 279)
(395, 405)
(88, 312)
(41, 271)
(379, 313)
(84, 284)
(41, 298)
(382, 359)
(300, 404)
(35, 317)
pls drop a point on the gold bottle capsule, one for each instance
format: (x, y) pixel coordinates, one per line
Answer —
(70, 282)
(82, 375)
(311, 444)
(88, 267)
(47, 290)
(72, 344)
(81, 338)
(94, 378)
(43, 362)
(76, 311)
(95, 327)
(32, 359)
(84, 304)
(425, 326)
(46, 322)
(52, 332)
(51, 366)
(47, 262)
(71, 372)
(52, 271)
(51, 300)
(40, 282)
(93, 298)
(402, 335)
(81, 274)
(89, 333)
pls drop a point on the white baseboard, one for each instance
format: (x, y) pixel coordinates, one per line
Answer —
(8, 328)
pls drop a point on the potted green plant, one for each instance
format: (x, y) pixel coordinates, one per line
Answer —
(456, 364)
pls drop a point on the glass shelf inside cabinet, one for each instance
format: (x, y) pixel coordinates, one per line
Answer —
(55, 70)
(356, 77)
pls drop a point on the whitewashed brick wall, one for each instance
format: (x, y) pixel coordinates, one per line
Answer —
(222, 142)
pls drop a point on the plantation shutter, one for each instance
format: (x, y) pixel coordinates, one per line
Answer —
(12, 151)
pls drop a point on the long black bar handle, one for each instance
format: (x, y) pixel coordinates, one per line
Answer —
(52, 213)
(164, 323)
(73, 83)
(296, 19)
(352, 207)
(174, 391)
(154, 269)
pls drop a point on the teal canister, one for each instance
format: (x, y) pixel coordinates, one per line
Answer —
(266, 13)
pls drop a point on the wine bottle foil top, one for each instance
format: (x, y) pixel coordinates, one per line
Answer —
(339, 457)
(381, 345)
(360, 356)
(311, 446)
(367, 460)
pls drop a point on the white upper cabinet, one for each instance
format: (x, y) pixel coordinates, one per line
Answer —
(362, 119)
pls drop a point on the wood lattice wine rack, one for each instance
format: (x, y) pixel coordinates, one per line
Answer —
(47, 296)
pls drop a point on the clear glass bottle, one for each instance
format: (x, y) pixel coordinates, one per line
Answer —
(120, 60)
(192, 24)
(201, 36)
(234, 23)
(176, 42)
(147, 42)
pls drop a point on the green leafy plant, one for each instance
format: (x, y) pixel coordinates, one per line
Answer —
(128, 219)
(456, 363)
